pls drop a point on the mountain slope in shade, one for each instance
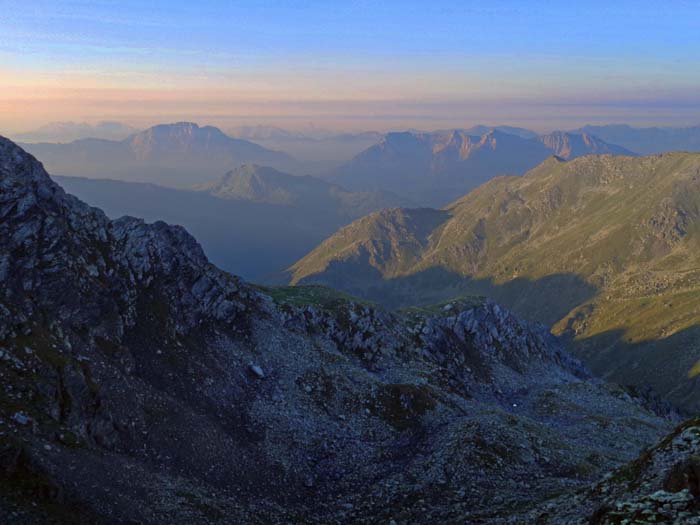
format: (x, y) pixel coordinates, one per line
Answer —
(254, 222)
(605, 248)
(648, 140)
(176, 155)
(206, 400)
(254, 183)
(433, 169)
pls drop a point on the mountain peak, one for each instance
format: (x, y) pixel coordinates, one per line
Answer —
(568, 145)
(181, 133)
(497, 139)
(263, 184)
(24, 173)
(493, 132)
(401, 137)
(86, 249)
(251, 168)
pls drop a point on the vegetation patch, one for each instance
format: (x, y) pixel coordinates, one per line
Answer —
(402, 405)
(311, 295)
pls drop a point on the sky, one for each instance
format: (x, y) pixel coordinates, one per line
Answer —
(350, 64)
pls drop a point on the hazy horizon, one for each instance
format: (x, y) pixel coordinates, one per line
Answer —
(312, 128)
(354, 67)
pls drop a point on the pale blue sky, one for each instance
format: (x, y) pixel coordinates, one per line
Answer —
(350, 64)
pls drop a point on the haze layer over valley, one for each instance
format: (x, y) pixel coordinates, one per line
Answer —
(253, 221)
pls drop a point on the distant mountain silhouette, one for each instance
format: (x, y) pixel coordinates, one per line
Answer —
(646, 141)
(480, 129)
(70, 131)
(318, 151)
(254, 183)
(433, 169)
(176, 155)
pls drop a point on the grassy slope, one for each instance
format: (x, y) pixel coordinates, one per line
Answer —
(605, 248)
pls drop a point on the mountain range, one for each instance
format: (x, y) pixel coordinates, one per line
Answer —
(428, 168)
(254, 221)
(602, 248)
(69, 131)
(434, 169)
(648, 140)
(481, 129)
(143, 384)
(174, 155)
(318, 151)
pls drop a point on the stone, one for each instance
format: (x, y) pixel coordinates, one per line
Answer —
(257, 370)
(21, 418)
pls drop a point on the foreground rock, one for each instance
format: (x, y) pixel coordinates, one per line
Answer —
(142, 384)
(661, 486)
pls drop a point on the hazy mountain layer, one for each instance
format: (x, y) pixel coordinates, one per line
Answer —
(433, 169)
(70, 131)
(254, 221)
(648, 140)
(175, 155)
(481, 129)
(604, 248)
(142, 384)
(317, 151)
(254, 183)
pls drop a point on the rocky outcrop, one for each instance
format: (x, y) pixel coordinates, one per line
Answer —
(661, 486)
(142, 384)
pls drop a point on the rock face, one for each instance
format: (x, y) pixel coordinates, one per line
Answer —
(142, 384)
(660, 486)
(571, 145)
